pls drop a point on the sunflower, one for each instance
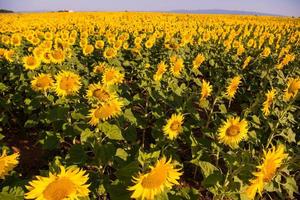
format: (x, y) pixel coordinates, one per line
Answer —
(31, 62)
(233, 131)
(99, 44)
(246, 62)
(46, 57)
(88, 49)
(100, 68)
(7, 163)
(198, 61)
(69, 184)
(269, 101)
(161, 69)
(174, 126)
(291, 91)
(206, 90)
(266, 52)
(109, 53)
(100, 93)
(272, 160)
(232, 87)
(149, 43)
(67, 83)
(161, 178)
(42, 82)
(177, 67)
(9, 55)
(58, 56)
(112, 76)
(105, 111)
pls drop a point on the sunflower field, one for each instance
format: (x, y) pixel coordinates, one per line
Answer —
(149, 106)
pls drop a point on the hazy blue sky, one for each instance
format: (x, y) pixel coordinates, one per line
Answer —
(283, 7)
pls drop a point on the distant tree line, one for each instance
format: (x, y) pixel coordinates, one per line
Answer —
(6, 11)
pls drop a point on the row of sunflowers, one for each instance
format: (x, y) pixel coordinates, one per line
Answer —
(149, 106)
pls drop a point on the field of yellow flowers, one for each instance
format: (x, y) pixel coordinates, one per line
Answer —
(149, 106)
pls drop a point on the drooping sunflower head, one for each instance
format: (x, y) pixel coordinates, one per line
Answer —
(233, 86)
(67, 83)
(42, 82)
(198, 61)
(233, 131)
(7, 163)
(105, 111)
(268, 102)
(174, 126)
(161, 177)
(273, 159)
(291, 91)
(100, 68)
(206, 90)
(31, 62)
(70, 183)
(100, 93)
(177, 67)
(161, 69)
(112, 76)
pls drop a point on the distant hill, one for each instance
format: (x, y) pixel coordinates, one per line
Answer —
(232, 12)
(6, 11)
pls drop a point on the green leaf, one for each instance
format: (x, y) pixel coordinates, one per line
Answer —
(222, 109)
(77, 154)
(291, 186)
(126, 172)
(111, 131)
(3, 87)
(129, 116)
(206, 167)
(213, 179)
(104, 153)
(86, 135)
(51, 141)
(121, 153)
(256, 119)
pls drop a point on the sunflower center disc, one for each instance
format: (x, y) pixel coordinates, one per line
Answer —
(233, 130)
(59, 189)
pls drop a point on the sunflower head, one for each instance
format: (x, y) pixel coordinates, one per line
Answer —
(291, 91)
(268, 102)
(109, 53)
(31, 62)
(105, 111)
(206, 90)
(198, 61)
(273, 159)
(7, 163)
(88, 49)
(42, 82)
(174, 126)
(233, 131)
(160, 178)
(67, 83)
(177, 67)
(70, 183)
(112, 76)
(233, 86)
(99, 93)
(161, 69)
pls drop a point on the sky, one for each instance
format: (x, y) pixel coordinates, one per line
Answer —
(281, 7)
